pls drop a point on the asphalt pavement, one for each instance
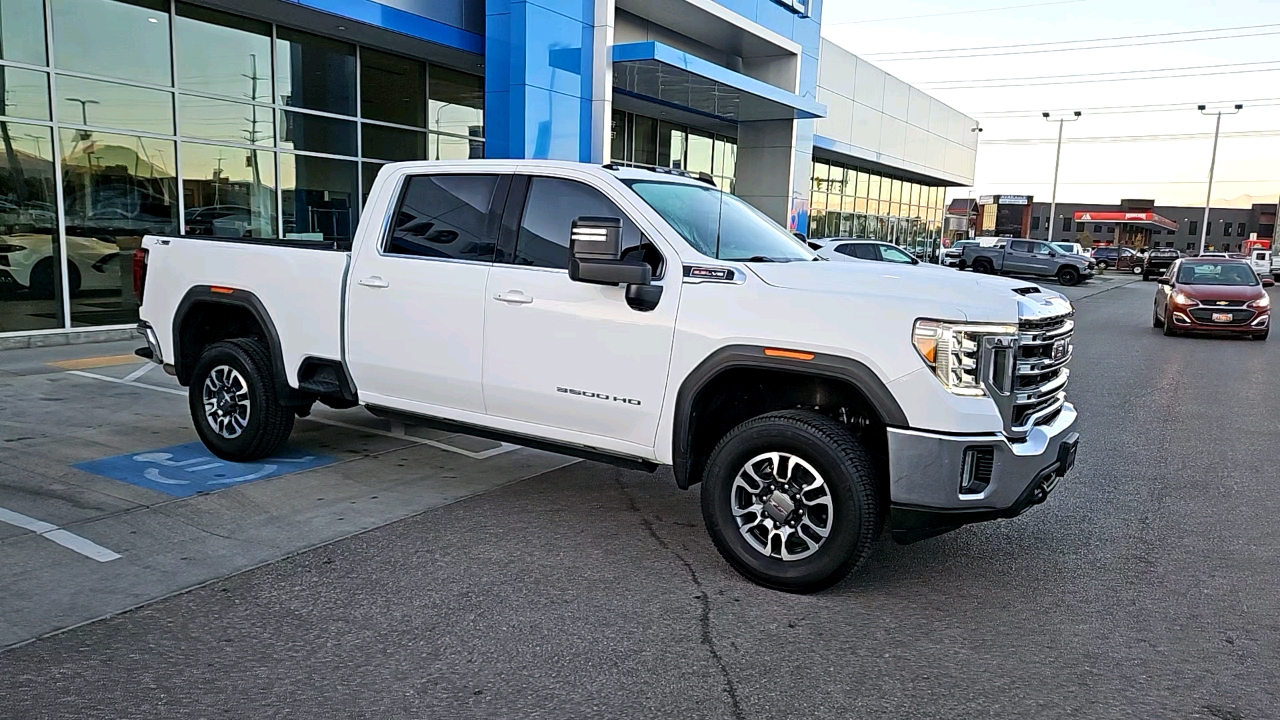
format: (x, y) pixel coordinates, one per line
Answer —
(1148, 586)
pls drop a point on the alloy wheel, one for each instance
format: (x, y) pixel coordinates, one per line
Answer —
(783, 506)
(226, 401)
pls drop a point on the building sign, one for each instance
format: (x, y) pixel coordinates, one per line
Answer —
(986, 199)
(1013, 199)
(799, 7)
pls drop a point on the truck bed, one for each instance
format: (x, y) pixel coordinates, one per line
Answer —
(300, 286)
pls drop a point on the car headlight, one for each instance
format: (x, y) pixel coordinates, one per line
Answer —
(1261, 303)
(1184, 299)
(954, 352)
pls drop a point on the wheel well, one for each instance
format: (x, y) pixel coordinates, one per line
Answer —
(739, 394)
(207, 322)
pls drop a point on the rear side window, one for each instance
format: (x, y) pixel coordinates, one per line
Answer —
(1020, 246)
(446, 216)
(549, 212)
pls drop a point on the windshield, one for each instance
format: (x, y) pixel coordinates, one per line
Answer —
(1216, 274)
(720, 225)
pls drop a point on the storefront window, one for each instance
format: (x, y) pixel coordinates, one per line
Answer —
(315, 73)
(116, 188)
(24, 93)
(701, 148)
(385, 143)
(317, 133)
(228, 191)
(448, 147)
(30, 275)
(114, 105)
(457, 102)
(223, 54)
(22, 31)
(393, 89)
(114, 38)
(318, 197)
(224, 121)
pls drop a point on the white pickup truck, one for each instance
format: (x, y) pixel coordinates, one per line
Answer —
(640, 318)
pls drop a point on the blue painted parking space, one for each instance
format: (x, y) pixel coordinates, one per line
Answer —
(190, 469)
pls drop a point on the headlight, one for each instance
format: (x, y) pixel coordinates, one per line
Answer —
(1183, 299)
(954, 352)
(1261, 303)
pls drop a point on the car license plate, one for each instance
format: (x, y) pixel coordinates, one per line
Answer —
(1222, 317)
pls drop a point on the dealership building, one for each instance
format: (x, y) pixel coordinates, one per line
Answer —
(271, 118)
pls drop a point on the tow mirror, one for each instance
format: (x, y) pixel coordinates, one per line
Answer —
(595, 257)
(1164, 281)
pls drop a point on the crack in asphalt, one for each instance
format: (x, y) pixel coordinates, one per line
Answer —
(703, 597)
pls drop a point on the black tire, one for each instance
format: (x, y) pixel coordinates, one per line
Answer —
(266, 424)
(1156, 322)
(1068, 275)
(961, 265)
(857, 515)
(1167, 325)
(1146, 277)
(1138, 270)
(1102, 265)
(983, 266)
(42, 284)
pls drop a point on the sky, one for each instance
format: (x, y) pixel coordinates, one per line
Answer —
(1102, 160)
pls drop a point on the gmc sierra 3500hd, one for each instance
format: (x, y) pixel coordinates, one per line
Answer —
(641, 318)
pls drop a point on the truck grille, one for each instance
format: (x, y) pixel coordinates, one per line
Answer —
(1040, 376)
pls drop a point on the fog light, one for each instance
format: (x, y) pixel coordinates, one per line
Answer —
(1261, 322)
(975, 472)
(1181, 319)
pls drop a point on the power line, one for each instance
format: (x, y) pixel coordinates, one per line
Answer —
(1105, 80)
(1073, 49)
(957, 12)
(1134, 138)
(1072, 42)
(1135, 182)
(1098, 74)
(1037, 112)
(1097, 111)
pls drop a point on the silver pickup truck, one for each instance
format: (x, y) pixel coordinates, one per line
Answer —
(1020, 256)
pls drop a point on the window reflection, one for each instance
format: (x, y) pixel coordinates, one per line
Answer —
(393, 89)
(116, 188)
(319, 197)
(30, 281)
(210, 119)
(384, 143)
(457, 102)
(447, 147)
(223, 54)
(228, 191)
(25, 93)
(317, 133)
(315, 73)
(108, 104)
(22, 31)
(127, 40)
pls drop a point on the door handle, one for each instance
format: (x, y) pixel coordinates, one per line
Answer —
(514, 297)
(374, 282)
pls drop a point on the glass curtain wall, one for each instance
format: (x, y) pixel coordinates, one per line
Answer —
(647, 142)
(847, 201)
(126, 117)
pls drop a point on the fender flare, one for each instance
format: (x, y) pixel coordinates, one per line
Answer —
(730, 357)
(202, 294)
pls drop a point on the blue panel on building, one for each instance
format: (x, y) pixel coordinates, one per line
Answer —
(401, 21)
(186, 470)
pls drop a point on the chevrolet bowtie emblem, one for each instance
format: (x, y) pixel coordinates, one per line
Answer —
(1223, 302)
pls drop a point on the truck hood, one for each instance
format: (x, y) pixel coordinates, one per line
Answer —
(976, 298)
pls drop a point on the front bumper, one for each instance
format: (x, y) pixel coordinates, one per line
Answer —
(1185, 321)
(926, 471)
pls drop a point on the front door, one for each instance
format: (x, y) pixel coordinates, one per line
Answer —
(416, 304)
(1018, 257)
(570, 355)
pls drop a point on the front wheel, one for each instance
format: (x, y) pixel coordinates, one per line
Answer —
(1069, 276)
(1167, 325)
(790, 501)
(1102, 265)
(233, 402)
(1156, 322)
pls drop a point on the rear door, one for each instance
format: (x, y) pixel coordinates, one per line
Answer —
(416, 298)
(569, 355)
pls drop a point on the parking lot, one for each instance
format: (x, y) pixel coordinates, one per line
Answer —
(486, 580)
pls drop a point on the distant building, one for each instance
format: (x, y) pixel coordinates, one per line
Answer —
(1142, 223)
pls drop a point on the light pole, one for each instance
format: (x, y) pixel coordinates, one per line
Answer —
(1057, 162)
(1213, 160)
(970, 210)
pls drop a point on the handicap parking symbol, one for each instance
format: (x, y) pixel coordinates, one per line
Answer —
(190, 469)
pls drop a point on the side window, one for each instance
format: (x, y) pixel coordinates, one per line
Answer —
(1042, 248)
(892, 254)
(847, 249)
(446, 216)
(1020, 246)
(866, 251)
(549, 212)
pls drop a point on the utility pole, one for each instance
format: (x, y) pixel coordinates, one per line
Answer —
(1057, 162)
(1213, 161)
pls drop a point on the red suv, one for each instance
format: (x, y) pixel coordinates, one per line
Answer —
(1216, 295)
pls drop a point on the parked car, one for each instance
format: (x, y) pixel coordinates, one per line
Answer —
(27, 262)
(1260, 260)
(1213, 294)
(1071, 248)
(814, 401)
(1157, 262)
(1116, 258)
(955, 254)
(1021, 256)
(862, 249)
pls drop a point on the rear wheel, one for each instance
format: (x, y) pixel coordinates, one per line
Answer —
(983, 266)
(1068, 276)
(790, 500)
(1102, 265)
(233, 401)
(1138, 270)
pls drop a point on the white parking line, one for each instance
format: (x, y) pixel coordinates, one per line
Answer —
(401, 435)
(139, 372)
(66, 539)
